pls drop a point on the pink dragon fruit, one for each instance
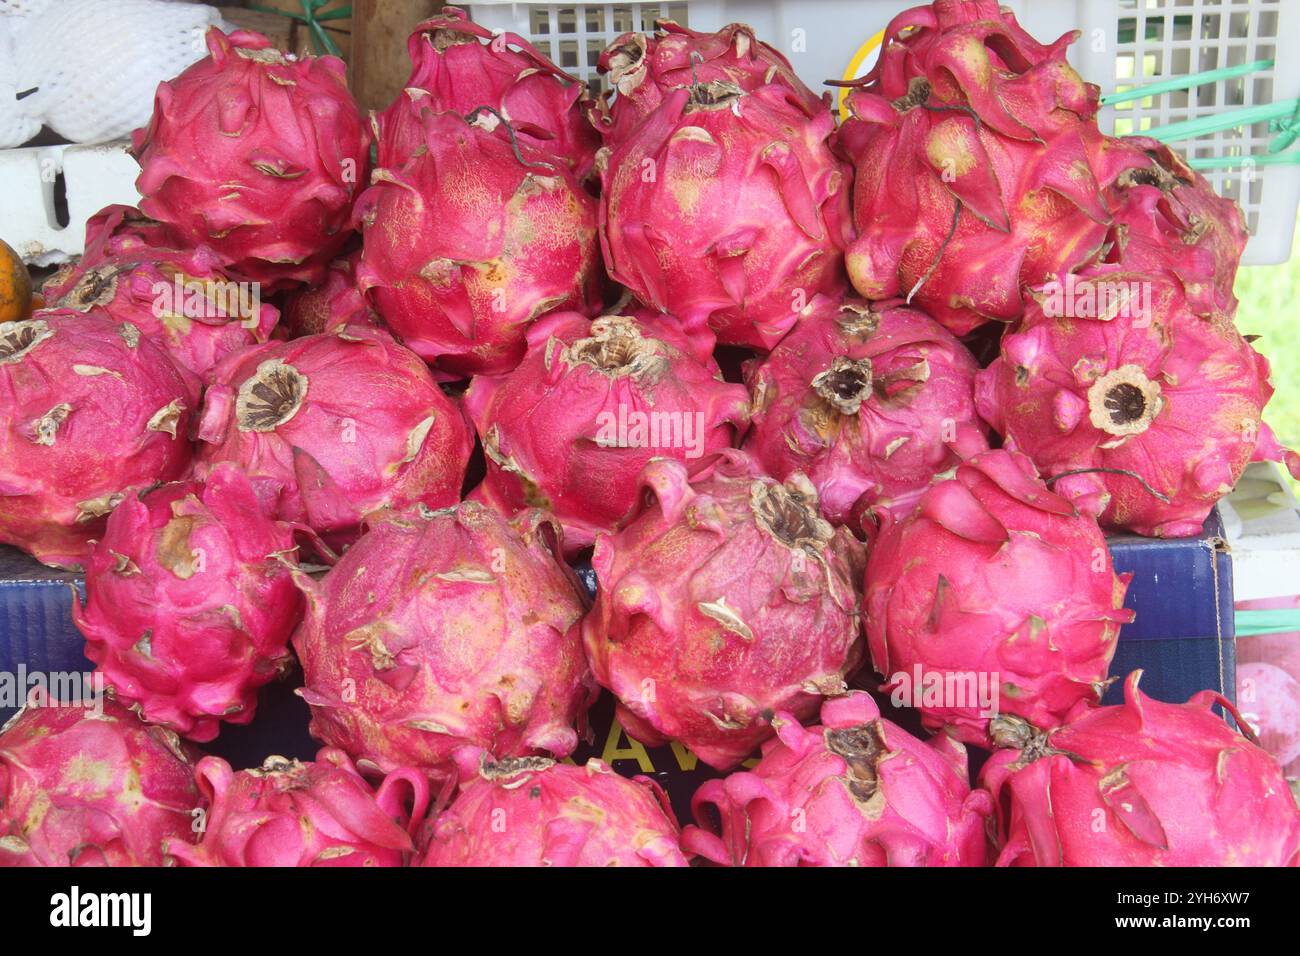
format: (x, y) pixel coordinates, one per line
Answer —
(727, 209)
(177, 298)
(92, 787)
(855, 791)
(1168, 219)
(722, 601)
(531, 811)
(994, 597)
(336, 303)
(257, 155)
(866, 401)
(454, 70)
(1147, 413)
(331, 428)
(190, 604)
(971, 143)
(592, 403)
(1142, 783)
(1270, 702)
(445, 630)
(296, 814)
(643, 68)
(473, 239)
(89, 407)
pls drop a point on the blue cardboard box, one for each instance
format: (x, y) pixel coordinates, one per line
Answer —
(1182, 638)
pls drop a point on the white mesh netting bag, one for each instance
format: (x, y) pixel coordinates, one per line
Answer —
(89, 68)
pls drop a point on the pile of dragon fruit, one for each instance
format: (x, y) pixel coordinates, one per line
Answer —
(826, 405)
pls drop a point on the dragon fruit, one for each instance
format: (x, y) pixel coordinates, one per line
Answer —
(592, 403)
(866, 401)
(290, 813)
(531, 811)
(257, 155)
(727, 209)
(331, 428)
(1168, 219)
(92, 787)
(1147, 413)
(1143, 783)
(471, 240)
(89, 407)
(178, 298)
(454, 70)
(445, 630)
(1270, 701)
(643, 68)
(336, 303)
(190, 604)
(971, 143)
(855, 791)
(994, 597)
(724, 599)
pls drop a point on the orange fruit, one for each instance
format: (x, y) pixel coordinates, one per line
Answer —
(15, 286)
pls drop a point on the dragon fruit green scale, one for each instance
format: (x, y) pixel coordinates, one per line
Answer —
(727, 598)
(445, 630)
(257, 155)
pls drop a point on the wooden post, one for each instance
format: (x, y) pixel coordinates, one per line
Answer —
(380, 67)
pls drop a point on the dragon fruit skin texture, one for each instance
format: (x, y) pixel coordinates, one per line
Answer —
(453, 70)
(1168, 402)
(257, 156)
(190, 606)
(725, 599)
(993, 577)
(444, 631)
(472, 240)
(177, 298)
(856, 790)
(332, 428)
(81, 787)
(336, 303)
(971, 143)
(866, 401)
(1168, 221)
(532, 811)
(642, 68)
(550, 428)
(727, 209)
(294, 814)
(1143, 783)
(89, 408)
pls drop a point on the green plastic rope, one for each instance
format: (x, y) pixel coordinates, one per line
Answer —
(1185, 82)
(1246, 116)
(1252, 623)
(313, 16)
(1283, 118)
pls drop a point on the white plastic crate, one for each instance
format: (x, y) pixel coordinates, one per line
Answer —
(839, 39)
(91, 177)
